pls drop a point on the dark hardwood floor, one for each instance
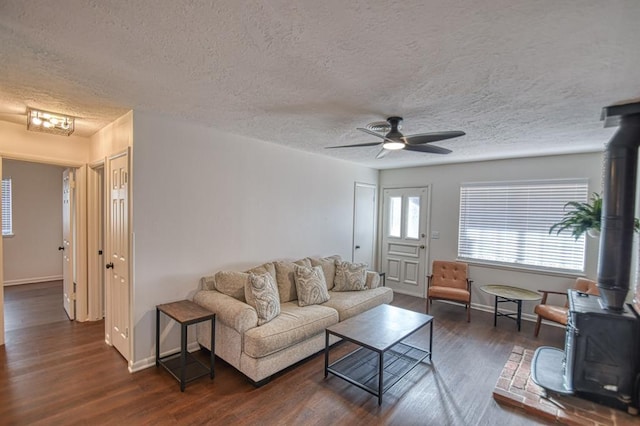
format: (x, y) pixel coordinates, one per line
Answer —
(57, 372)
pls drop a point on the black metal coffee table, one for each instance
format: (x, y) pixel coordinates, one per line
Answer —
(382, 358)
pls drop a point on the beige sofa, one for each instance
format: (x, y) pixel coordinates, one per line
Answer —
(295, 334)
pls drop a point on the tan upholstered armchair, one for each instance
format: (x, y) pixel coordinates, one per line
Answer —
(559, 313)
(449, 281)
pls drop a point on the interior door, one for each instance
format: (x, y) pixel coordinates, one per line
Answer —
(118, 259)
(364, 224)
(404, 242)
(67, 244)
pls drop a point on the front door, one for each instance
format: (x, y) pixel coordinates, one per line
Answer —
(118, 255)
(67, 244)
(404, 241)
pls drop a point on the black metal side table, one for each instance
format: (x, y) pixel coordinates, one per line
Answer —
(183, 365)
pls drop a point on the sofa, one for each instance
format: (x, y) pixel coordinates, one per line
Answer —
(260, 348)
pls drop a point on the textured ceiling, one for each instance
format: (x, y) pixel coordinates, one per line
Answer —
(520, 77)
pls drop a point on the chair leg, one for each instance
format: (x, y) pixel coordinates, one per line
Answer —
(537, 330)
(468, 313)
(428, 300)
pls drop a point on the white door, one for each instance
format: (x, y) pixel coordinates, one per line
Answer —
(118, 255)
(364, 224)
(404, 242)
(67, 244)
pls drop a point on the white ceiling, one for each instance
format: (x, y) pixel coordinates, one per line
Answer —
(520, 77)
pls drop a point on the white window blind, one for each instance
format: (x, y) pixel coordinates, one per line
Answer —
(508, 223)
(7, 217)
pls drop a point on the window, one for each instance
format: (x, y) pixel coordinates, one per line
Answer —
(7, 215)
(508, 223)
(395, 221)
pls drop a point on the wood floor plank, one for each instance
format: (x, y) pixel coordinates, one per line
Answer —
(55, 371)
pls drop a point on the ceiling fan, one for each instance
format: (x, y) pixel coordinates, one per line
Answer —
(394, 140)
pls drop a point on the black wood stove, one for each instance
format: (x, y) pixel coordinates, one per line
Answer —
(601, 358)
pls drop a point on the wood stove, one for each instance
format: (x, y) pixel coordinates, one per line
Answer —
(601, 357)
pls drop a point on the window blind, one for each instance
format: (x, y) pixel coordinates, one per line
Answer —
(7, 219)
(508, 223)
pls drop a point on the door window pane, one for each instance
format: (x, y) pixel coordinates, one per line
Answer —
(395, 216)
(413, 217)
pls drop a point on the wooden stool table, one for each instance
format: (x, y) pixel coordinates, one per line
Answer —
(185, 368)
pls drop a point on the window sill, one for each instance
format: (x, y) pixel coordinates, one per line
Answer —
(8, 235)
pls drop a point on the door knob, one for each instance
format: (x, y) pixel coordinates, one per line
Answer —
(357, 247)
(109, 265)
(61, 248)
(422, 246)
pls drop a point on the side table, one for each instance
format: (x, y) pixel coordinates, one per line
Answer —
(183, 365)
(507, 293)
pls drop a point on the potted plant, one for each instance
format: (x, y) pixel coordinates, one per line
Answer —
(584, 217)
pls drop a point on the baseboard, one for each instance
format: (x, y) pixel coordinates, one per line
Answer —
(145, 363)
(33, 280)
(488, 308)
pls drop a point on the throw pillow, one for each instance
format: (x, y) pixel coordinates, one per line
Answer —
(262, 293)
(310, 285)
(350, 276)
(328, 267)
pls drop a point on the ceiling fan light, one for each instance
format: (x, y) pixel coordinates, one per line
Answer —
(393, 145)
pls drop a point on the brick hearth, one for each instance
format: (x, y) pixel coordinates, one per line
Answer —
(516, 389)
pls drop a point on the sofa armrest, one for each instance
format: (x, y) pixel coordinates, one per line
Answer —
(228, 310)
(373, 280)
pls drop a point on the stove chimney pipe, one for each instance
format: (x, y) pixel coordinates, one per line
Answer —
(618, 204)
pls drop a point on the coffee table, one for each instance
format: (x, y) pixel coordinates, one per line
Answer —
(382, 358)
(507, 293)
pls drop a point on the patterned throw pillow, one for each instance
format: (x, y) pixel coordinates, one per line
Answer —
(262, 294)
(350, 276)
(310, 285)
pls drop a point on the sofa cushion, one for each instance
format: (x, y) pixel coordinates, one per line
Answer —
(351, 303)
(311, 286)
(350, 276)
(265, 268)
(373, 279)
(294, 324)
(208, 283)
(328, 265)
(285, 279)
(262, 293)
(231, 283)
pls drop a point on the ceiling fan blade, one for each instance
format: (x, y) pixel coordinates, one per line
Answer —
(432, 149)
(382, 153)
(354, 146)
(423, 138)
(375, 134)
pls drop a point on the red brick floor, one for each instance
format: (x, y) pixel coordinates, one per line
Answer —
(516, 389)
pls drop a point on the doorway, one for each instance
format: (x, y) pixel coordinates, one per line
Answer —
(404, 253)
(364, 224)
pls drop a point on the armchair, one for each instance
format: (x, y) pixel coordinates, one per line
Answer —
(449, 281)
(559, 313)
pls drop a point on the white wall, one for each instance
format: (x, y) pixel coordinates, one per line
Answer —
(205, 201)
(32, 255)
(17, 143)
(445, 181)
